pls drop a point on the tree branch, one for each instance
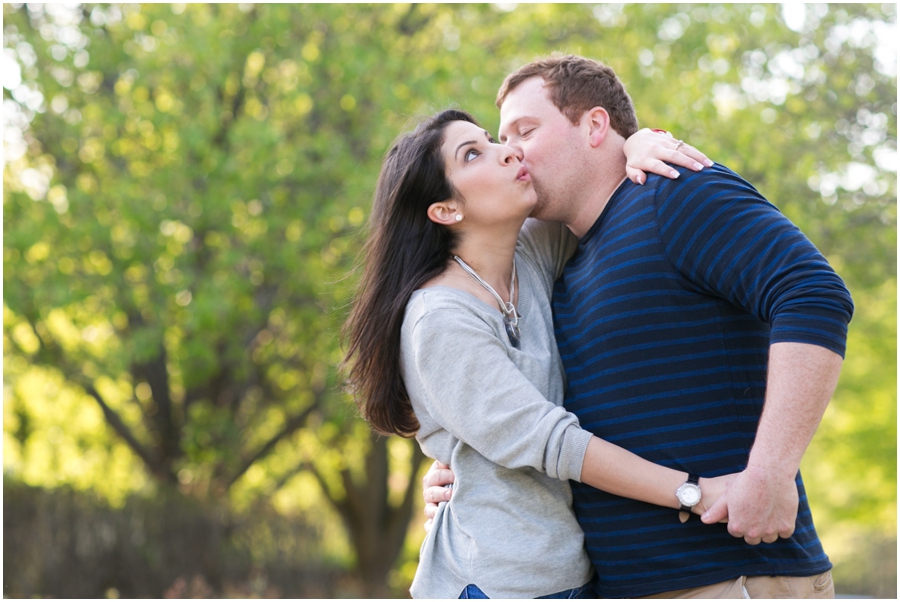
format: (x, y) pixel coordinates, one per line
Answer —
(156, 373)
(409, 25)
(339, 505)
(123, 431)
(403, 511)
(51, 355)
(290, 427)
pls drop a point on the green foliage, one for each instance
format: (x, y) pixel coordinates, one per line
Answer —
(185, 188)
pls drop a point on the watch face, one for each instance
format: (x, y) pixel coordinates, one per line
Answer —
(689, 494)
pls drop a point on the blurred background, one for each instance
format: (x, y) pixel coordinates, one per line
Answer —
(185, 192)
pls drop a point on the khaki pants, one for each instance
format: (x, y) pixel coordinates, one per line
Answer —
(817, 586)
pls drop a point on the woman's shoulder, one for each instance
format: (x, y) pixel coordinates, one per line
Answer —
(441, 304)
(547, 244)
(539, 235)
(440, 319)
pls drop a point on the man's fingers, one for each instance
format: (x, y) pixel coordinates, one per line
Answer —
(736, 530)
(770, 538)
(438, 476)
(434, 495)
(739, 531)
(433, 490)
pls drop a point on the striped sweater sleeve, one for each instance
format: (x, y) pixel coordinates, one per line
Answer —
(725, 239)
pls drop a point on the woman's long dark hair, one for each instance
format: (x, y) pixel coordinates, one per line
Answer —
(404, 250)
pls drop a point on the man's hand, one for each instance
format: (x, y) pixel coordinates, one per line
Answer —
(759, 507)
(434, 490)
(762, 502)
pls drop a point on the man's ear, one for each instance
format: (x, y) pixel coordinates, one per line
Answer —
(445, 213)
(598, 125)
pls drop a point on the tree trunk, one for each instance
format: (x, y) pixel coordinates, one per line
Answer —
(377, 529)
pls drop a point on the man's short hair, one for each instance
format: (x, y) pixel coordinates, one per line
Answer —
(576, 84)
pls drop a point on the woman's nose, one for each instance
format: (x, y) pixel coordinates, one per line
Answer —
(508, 154)
(516, 151)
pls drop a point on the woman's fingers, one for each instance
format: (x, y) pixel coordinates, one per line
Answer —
(687, 156)
(635, 175)
(693, 153)
(649, 152)
(650, 165)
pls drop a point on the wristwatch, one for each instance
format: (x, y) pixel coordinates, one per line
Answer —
(688, 496)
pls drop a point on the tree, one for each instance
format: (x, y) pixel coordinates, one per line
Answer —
(186, 266)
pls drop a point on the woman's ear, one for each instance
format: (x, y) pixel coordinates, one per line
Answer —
(598, 125)
(446, 213)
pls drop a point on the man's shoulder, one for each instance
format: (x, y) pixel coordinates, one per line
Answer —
(659, 187)
(716, 174)
(703, 190)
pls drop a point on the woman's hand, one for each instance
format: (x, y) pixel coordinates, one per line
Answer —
(649, 151)
(711, 490)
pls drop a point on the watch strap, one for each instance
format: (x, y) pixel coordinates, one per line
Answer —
(684, 513)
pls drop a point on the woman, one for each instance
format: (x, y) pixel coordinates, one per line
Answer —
(451, 340)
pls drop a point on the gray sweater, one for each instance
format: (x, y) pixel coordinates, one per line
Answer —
(494, 413)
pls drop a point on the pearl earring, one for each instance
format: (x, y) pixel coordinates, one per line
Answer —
(458, 217)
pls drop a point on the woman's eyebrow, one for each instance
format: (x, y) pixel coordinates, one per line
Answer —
(462, 145)
(487, 135)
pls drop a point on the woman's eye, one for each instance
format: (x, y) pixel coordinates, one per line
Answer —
(471, 154)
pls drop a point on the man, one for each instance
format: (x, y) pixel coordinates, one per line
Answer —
(698, 328)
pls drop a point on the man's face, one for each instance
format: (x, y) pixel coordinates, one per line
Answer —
(547, 143)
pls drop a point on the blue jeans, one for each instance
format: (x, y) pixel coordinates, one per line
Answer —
(473, 592)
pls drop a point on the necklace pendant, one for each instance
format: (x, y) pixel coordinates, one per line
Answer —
(510, 317)
(512, 331)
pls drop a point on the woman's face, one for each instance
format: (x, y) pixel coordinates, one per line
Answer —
(495, 185)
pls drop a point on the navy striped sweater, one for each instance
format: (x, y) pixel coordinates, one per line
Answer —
(663, 318)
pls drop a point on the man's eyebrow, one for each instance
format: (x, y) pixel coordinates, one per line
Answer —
(513, 124)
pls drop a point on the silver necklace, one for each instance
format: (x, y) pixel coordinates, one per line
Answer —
(510, 316)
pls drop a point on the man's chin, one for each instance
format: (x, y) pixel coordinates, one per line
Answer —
(540, 212)
(538, 208)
